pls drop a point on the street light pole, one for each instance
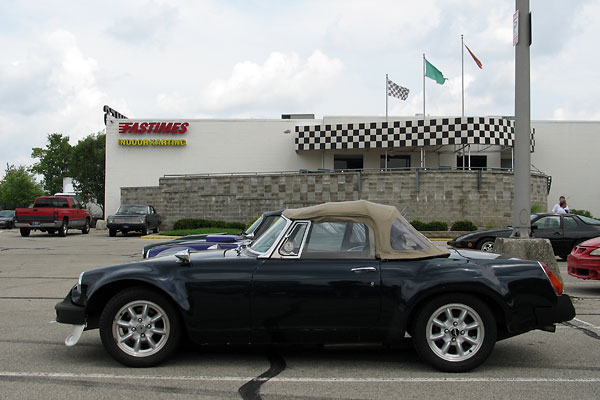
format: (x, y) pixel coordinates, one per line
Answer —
(522, 156)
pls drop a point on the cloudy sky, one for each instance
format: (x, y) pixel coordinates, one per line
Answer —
(63, 60)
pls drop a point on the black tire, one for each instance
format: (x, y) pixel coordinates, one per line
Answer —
(157, 229)
(475, 343)
(64, 228)
(25, 231)
(144, 230)
(51, 232)
(86, 227)
(112, 232)
(486, 244)
(116, 322)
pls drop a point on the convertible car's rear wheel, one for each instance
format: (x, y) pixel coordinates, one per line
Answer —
(140, 328)
(454, 332)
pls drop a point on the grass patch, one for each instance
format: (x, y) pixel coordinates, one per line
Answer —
(183, 232)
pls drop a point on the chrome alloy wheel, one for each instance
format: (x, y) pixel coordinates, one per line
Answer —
(455, 332)
(141, 328)
(487, 246)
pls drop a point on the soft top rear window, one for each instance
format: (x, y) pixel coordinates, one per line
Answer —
(402, 238)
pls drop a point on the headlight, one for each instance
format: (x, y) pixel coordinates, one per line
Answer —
(78, 287)
(110, 220)
(595, 252)
(141, 220)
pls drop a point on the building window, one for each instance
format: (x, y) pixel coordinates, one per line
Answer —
(506, 163)
(348, 161)
(394, 162)
(477, 162)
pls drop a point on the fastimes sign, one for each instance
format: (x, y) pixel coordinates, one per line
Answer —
(140, 128)
(153, 127)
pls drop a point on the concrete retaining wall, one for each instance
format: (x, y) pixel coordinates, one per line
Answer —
(484, 198)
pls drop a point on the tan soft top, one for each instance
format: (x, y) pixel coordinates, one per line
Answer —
(378, 217)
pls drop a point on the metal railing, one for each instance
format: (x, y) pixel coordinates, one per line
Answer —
(342, 171)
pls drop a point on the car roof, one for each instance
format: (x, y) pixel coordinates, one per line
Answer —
(378, 217)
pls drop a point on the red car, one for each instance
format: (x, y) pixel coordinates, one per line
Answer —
(584, 260)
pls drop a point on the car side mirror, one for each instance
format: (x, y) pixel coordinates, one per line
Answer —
(534, 227)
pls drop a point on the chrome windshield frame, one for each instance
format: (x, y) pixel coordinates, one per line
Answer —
(276, 242)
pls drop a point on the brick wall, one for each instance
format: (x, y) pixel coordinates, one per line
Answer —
(485, 199)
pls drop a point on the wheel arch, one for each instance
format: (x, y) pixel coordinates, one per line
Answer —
(485, 239)
(101, 296)
(488, 298)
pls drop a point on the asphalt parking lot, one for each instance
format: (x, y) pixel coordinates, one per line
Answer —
(36, 272)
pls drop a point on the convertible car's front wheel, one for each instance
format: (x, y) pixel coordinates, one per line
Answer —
(140, 328)
(454, 332)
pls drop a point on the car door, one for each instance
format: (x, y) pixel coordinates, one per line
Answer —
(549, 227)
(152, 223)
(321, 284)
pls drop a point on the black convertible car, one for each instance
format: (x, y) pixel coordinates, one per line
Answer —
(564, 231)
(345, 272)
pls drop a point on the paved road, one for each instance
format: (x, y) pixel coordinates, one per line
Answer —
(37, 271)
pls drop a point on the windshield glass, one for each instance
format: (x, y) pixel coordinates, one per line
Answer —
(7, 213)
(253, 226)
(589, 220)
(263, 243)
(131, 210)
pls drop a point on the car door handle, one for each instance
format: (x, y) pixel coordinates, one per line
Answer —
(360, 270)
(556, 233)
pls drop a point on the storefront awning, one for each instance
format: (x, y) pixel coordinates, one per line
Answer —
(406, 133)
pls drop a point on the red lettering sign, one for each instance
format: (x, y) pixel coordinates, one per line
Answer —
(153, 127)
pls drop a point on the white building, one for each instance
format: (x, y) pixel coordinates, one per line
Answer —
(140, 151)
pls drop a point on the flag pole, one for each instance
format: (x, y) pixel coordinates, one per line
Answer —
(386, 97)
(462, 54)
(423, 85)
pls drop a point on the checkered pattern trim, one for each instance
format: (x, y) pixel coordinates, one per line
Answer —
(408, 133)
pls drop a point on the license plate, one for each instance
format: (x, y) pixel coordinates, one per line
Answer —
(35, 224)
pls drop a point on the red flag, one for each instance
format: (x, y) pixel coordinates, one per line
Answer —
(474, 58)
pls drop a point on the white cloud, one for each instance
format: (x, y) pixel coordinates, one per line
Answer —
(62, 61)
(283, 76)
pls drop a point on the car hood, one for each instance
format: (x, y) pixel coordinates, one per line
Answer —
(490, 232)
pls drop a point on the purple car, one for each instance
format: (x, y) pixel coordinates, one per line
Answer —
(212, 241)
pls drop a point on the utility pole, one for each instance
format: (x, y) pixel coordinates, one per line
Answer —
(522, 156)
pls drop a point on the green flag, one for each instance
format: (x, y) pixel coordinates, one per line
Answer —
(434, 73)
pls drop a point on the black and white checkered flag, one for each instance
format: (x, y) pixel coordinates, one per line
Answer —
(397, 90)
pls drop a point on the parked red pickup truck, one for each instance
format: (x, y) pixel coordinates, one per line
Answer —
(53, 214)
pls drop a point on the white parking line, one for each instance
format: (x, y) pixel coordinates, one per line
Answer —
(586, 323)
(63, 375)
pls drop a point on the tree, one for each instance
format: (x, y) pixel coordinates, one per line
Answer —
(18, 188)
(54, 162)
(88, 166)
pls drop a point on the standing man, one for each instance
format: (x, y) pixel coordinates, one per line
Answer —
(560, 209)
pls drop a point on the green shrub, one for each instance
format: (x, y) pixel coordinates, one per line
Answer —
(437, 226)
(585, 213)
(195, 223)
(536, 208)
(418, 225)
(463, 226)
(429, 226)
